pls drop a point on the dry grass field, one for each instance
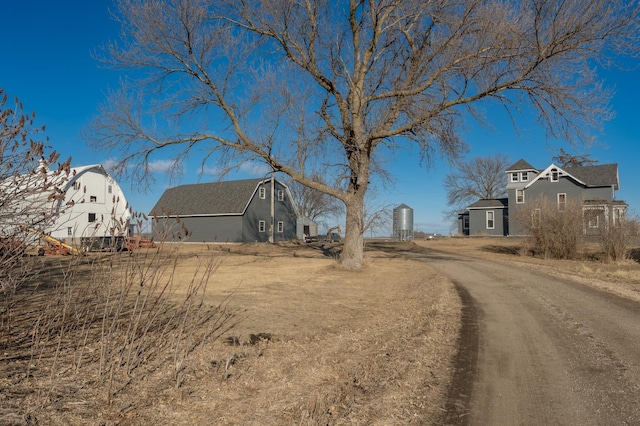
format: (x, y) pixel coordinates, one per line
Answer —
(280, 335)
(245, 334)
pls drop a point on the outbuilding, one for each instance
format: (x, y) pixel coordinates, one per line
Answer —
(249, 210)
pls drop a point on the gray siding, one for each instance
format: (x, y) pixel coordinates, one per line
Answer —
(260, 209)
(202, 228)
(478, 222)
(236, 227)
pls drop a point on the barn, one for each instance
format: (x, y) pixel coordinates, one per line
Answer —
(230, 211)
(94, 205)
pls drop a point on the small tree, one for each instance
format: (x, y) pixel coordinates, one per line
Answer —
(553, 230)
(28, 191)
(481, 177)
(31, 177)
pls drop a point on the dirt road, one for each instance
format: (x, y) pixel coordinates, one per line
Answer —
(537, 350)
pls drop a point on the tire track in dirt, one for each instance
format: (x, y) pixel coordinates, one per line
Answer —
(548, 351)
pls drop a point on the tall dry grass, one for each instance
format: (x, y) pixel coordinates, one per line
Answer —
(103, 321)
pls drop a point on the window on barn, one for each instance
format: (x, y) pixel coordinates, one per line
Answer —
(465, 222)
(514, 177)
(280, 195)
(524, 176)
(76, 185)
(554, 176)
(110, 189)
(69, 231)
(519, 196)
(280, 226)
(562, 201)
(93, 199)
(262, 226)
(92, 217)
(491, 220)
(262, 193)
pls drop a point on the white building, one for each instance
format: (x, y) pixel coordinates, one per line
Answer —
(93, 206)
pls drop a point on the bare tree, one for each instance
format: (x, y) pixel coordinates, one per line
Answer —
(565, 159)
(324, 87)
(481, 177)
(314, 204)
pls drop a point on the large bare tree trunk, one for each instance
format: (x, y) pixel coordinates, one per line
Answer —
(353, 248)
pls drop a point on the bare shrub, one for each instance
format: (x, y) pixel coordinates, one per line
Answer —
(30, 181)
(107, 320)
(553, 231)
(615, 235)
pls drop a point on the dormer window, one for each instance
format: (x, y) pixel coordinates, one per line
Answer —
(514, 177)
(524, 176)
(554, 175)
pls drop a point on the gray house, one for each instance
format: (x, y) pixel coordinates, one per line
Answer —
(232, 211)
(593, 186)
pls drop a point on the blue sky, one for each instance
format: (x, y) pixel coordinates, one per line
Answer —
(46, 61)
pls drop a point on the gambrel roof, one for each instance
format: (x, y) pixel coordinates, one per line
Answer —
(208, 199)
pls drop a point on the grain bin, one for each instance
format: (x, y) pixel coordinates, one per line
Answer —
(403, 223)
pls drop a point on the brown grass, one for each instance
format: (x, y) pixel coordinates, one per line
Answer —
(329, 346)
(621, 277)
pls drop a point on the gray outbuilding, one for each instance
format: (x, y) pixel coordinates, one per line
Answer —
(231, 211)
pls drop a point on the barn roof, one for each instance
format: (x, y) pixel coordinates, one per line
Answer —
(214, 198)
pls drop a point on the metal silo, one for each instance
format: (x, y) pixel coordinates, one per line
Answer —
(403, 223)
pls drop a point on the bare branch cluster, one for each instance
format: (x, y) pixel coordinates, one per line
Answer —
(31, 177)
(478, 178)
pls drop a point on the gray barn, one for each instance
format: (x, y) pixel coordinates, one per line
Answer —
(232, 211)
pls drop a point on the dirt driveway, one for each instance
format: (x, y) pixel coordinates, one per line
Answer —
(538, 350)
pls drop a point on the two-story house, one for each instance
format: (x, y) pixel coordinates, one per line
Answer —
(592, 186)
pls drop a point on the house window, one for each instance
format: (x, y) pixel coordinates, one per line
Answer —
(519, 196)
(280, 226)
(262, 226)
(535, 218)
(263, 193)
(524, 176)
(280, 195)
(562, 201)
(514, 177)
(618, 215)
(490, 220)
(555, 175)
(465, 222)
(93, 199)
(593, 221)
(110, 189)
(69, 231)
(92, 217)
